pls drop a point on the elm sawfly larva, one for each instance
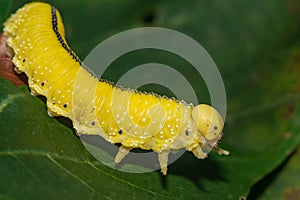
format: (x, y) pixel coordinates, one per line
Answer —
(131, 118)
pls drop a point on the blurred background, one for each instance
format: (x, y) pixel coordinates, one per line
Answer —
(256, 46)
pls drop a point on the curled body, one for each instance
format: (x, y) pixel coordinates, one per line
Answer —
(134, 119)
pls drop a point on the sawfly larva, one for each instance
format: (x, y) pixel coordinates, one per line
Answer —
(131, 118)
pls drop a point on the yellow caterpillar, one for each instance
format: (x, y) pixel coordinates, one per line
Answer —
(97, 107)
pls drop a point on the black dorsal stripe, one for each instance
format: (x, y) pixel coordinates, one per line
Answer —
(65, 46)
(59, 37)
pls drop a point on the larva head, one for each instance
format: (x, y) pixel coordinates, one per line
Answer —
(209, 122)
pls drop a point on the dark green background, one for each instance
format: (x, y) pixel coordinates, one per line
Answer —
(256, 46)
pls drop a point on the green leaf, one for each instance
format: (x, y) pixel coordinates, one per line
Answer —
(283, 183)
(255, 45)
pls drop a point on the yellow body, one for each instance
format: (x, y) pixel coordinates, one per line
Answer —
(97, 107)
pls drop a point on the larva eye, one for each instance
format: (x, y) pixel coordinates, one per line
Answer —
(209, 122)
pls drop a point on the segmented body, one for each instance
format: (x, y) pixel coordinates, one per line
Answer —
(95, 106)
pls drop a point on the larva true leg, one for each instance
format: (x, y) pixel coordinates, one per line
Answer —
(163, 161)
(199, 153)
(122, 153)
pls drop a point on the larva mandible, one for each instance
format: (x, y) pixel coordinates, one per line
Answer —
(97, 107)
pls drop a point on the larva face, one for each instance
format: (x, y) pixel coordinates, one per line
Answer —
(209, 122)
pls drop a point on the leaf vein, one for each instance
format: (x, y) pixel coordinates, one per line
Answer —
(52, 156)
(5, 102)
(69, 172)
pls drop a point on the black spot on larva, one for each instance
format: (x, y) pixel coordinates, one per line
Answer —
(187, 133)
(120, 131)
(215, 128)
(24, 60)
(42, 84)
(65, 105)
(93, 123)
(64, 45)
